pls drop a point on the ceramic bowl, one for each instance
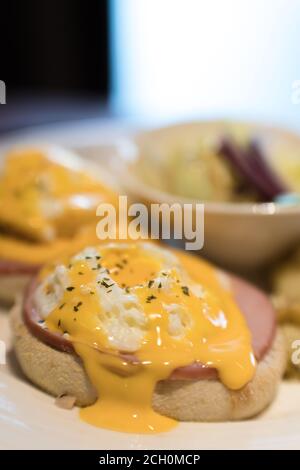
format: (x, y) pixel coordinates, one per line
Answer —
(239, 236)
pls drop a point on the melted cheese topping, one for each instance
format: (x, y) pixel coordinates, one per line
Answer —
(44, 205)
(164, 310)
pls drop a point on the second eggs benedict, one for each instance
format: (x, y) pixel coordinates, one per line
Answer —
(48, 206)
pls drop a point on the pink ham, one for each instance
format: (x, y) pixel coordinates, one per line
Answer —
(10, 267)
(253, 303)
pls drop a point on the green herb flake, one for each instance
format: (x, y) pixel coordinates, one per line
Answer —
(107, 286)
(185, 290)
(76, 307)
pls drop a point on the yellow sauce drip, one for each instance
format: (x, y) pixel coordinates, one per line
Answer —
(46, 207)
(15, 249)
(216, 335)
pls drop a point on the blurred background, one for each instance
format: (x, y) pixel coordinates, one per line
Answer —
(149, 61)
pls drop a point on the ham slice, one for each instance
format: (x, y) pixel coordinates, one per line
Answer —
(254, 304)
(10, 267)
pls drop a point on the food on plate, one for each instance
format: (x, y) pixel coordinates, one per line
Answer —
(286, 299)
(143, 337)
(227, 163)
(48, 206)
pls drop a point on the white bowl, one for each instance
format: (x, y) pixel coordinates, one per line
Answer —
(239, 236)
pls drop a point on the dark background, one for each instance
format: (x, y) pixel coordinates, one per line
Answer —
(54, 60)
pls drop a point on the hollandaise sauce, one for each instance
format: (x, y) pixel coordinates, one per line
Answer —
(135, 313)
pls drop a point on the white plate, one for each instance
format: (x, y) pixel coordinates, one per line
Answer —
(29, 418)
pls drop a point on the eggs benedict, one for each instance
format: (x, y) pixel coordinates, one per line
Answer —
(48, 206)
(143, 337)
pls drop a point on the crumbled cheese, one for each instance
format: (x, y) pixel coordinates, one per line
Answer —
(121, 312)
(50, 292)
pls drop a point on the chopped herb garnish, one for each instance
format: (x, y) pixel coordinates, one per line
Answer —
(92, 292)
(127, 290)
(70, 288)
(97, 267)
(118, 265)
(80, 273)
(185, 290)
(103, 283)
(159, 285)
(58, 323)
(88, 257)
(164, 274)
(76, 307)
(149, 298)
(110, 290)
(61, 306)
(98, 257)
(150, 283)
